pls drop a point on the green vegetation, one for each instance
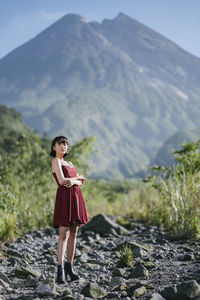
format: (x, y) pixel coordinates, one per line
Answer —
(169, 198)
(125, 257)
(174, 196)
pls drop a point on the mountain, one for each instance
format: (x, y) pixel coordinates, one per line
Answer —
(164, 156)
(117, 80)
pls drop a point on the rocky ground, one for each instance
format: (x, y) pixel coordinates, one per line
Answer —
(160, 269)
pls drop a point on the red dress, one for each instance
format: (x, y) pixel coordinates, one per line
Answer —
(69, 205)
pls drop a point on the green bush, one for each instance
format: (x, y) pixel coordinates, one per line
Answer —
(179, 192)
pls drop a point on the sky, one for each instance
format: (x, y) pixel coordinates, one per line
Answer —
(178, 20)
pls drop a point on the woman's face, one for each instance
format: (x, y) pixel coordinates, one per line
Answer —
(60, 148)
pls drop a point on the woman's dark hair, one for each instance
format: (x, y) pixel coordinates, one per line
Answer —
(59, 139)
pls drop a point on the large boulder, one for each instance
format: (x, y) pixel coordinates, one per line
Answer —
(103, 225)
(188, 290)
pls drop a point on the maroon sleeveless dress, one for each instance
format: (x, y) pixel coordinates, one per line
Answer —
(69, 205)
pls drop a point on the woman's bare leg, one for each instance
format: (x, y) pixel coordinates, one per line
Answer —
(71, 242)
(62, 243)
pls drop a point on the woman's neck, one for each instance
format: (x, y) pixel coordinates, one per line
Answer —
(60, 157)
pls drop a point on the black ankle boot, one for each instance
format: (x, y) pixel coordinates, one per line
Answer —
(60, 274)
(69, 272)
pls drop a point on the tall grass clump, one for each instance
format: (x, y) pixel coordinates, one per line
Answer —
(178, 191)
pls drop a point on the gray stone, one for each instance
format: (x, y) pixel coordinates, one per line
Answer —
(139, 291)
(103, 225)
(170, 293)
(186, 257)
(188, 290)
(110, 245)
(51, 259)
(77, 252)
(46, 288)
(12, 253)
(92, 266)
(92, 290)
(149, 265)
(24, 272)
(46, 246)
(139, 252)
(156, 296)
(83, 258)
(30, 282)
(116, 281)
(80, 297)
(3, 284)
(138, 271)
(4, 278)
(118, 272)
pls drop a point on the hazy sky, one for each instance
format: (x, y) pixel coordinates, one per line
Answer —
(178, 20)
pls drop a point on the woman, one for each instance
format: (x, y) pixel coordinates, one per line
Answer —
(69, 211)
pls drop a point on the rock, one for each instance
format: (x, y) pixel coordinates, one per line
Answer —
(139, 252)
(118, 284)
(139, 291)
(85, 249)
(65, 294)
(186, 257)
(92, 290)
(92, 266)
(118, 272)
(30, 282)
(116, 281)
(46, 288)
(12, 253)
(83, 258)
(23, 272)
(50, 251)
(51, 259)
(138, 271)
(170, 293)
(149, 265)
(46, 246)
(103, 225)
(47, 231)
(156, 296)
(4, 278)
(188, 290)
(3, 284)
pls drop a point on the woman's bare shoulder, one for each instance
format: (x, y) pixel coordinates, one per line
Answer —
(55, 161)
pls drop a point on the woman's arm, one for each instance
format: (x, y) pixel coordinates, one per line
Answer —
(57, 168)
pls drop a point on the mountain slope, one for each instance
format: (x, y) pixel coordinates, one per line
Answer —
(119, 81)
(164, 156)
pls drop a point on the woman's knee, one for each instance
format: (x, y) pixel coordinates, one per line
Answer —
(73, 231)
(63, 234)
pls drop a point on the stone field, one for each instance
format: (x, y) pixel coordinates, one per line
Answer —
(159, 268)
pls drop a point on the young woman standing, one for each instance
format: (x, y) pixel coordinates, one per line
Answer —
(69, 210)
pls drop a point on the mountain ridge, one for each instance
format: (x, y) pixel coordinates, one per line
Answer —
(104, 79)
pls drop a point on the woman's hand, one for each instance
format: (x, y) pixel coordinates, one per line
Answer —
(81, 177)
(69, 182)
